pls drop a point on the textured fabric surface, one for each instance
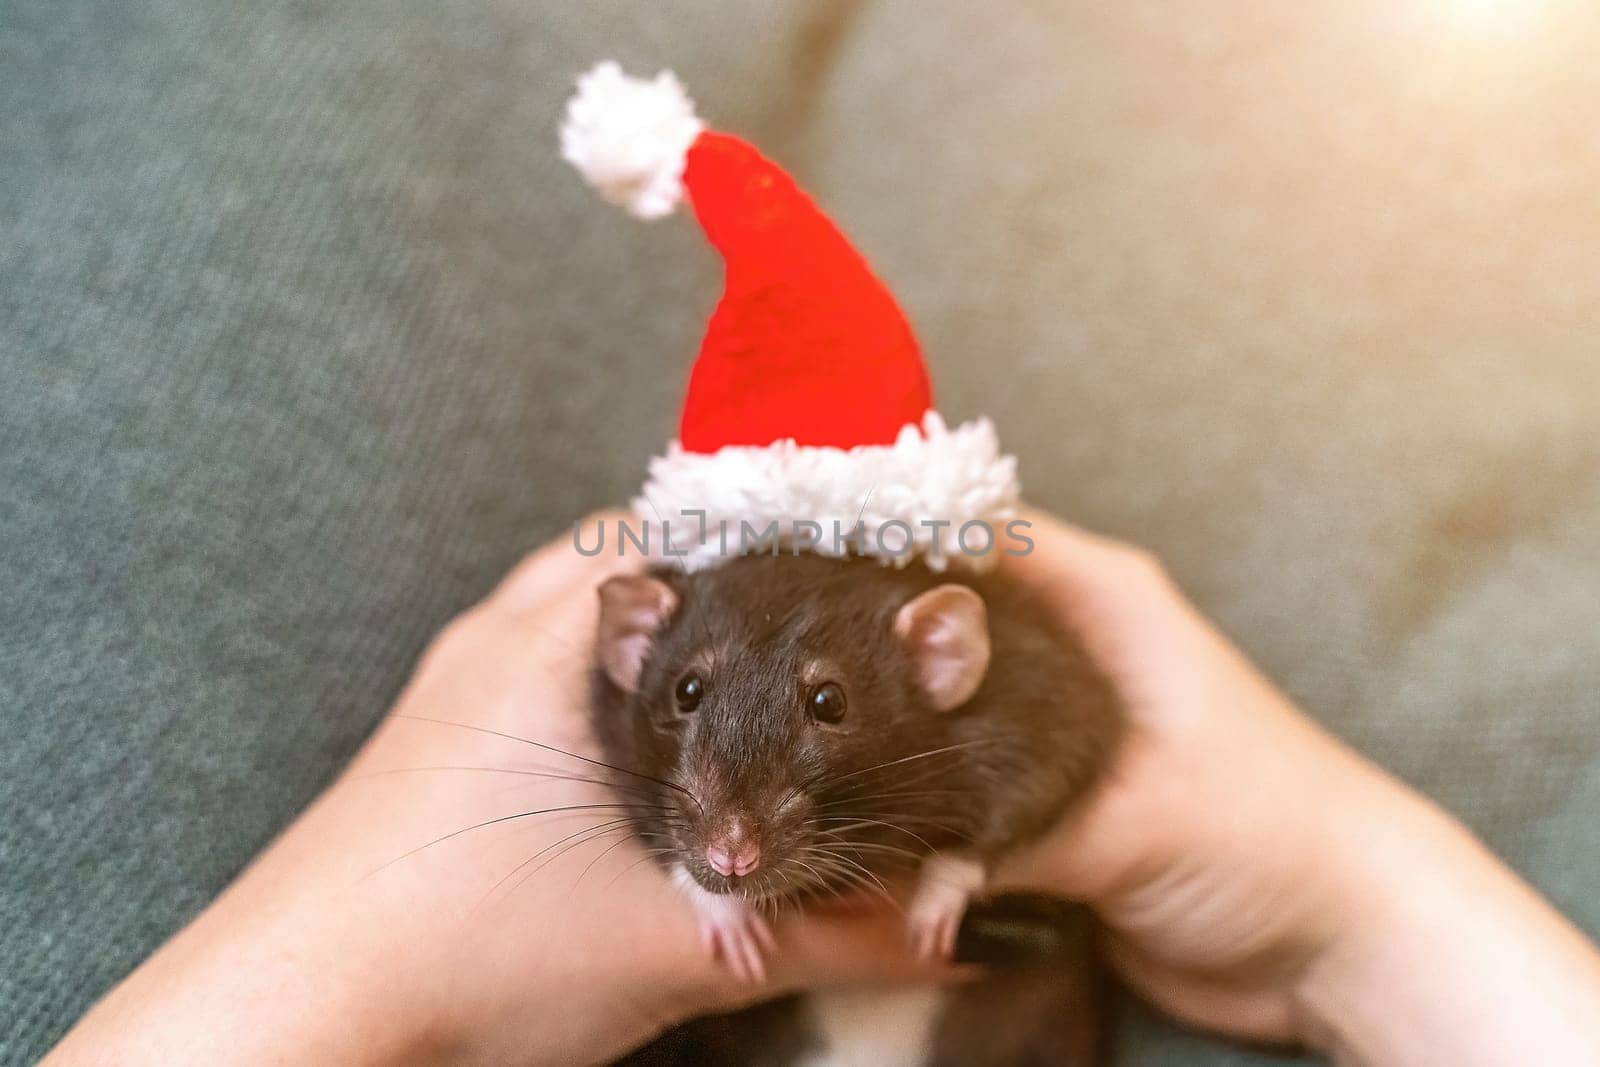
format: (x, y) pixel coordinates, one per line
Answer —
(306, 333)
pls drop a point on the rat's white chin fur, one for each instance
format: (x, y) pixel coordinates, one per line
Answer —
(911, 498)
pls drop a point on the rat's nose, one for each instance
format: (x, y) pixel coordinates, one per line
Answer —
(734, 854)
(735, 864)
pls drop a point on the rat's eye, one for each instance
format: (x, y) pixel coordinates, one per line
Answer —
(826, 702)
(689, 691)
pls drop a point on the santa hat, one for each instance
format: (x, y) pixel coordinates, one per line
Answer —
(809, 402)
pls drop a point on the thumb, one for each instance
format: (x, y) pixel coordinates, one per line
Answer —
(832, 948)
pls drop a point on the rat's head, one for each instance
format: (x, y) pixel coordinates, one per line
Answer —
(796, 700)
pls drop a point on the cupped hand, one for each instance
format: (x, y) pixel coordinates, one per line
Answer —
(1257, 877)
(468, 890)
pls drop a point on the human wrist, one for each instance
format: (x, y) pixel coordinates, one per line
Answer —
(250, 989)
(1390, 869)
(1441, 953)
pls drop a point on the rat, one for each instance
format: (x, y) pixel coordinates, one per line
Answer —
(819, 724)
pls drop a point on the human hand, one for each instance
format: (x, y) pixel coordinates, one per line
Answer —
(460, 895)
(1257, 877)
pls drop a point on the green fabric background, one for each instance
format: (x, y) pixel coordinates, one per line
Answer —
(306, 334)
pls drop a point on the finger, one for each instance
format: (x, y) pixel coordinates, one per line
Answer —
(1063, 553)
(1098, 588)
(559, 567)
(835, 949)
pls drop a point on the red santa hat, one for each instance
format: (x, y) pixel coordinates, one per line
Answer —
(809, 402)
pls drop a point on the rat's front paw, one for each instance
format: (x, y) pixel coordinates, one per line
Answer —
(738, 936)
(932, 922)
(934, 916)
(731, 930)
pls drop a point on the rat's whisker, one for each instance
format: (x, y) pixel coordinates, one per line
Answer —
(873, 798)
(506, 818)
(915, 777)
(834, 877)
(576, 838)
(943, 750)
(900, 817)
(817, 877)
(551, 748)
(881, 848)
(551, 775)
(604, 853)
(649, 854)
(861, 823)
(858, 866)
(851, 873)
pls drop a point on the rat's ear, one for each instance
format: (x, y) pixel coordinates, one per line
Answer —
(632, 608)
(946, 630)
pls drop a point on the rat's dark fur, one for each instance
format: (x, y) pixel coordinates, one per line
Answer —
(895, 779)
(892, 781)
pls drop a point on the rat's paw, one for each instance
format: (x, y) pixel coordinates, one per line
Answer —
(932, 922)
(733, 931)
(934, 916)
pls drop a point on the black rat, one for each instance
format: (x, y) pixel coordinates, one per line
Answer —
(822, 723)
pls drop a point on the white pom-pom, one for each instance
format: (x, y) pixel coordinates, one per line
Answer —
(629, 138)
